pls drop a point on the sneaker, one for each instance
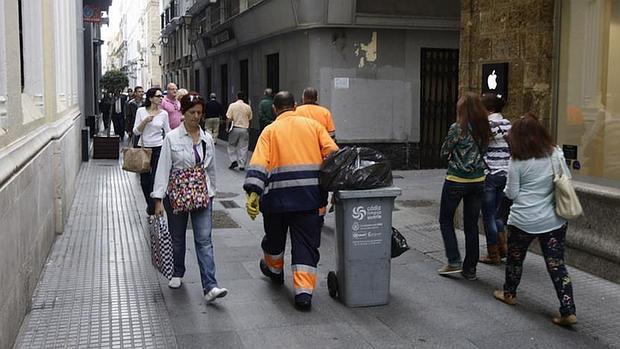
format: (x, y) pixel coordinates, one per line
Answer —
(215, 293)
(449, 269)
(568, 320)
(277, 279)
(233, 165)
(505, 297)
(303, 302)
(175, 282)
(471, 275)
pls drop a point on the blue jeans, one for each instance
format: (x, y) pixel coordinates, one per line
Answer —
(493, 193)
(201, 224)
(451, 196)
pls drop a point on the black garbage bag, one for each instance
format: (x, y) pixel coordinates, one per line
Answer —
(399, 244)
(355, 168)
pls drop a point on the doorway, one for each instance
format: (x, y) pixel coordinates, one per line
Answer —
(273, 72)
(439, 88)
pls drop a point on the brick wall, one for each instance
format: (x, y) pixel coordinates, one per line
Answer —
(519, 32)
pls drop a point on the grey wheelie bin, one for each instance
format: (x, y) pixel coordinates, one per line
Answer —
(363, 246)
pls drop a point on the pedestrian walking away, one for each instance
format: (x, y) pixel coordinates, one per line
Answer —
(151, 125)
(265, 109)
(118, 115)
(238, 116)
(311, 109)
(496, 159)
(172, 106)
(214, 114)
(532, 215)
(283, 183)
(464, 147)
(185, 147)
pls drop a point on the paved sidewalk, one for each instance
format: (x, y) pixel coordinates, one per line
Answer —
(99, 289)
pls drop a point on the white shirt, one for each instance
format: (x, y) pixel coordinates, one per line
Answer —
(177, 153)
(154, 132)
(530, 185)
(240, 113)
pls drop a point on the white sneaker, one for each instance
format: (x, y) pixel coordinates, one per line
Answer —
(215, 292)
(175, 282)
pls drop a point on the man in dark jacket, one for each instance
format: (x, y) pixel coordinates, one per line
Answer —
(118, 115)
(213, 113)
(132, 108)
(265, 112)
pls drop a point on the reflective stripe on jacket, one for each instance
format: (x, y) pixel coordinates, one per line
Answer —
(284, 168)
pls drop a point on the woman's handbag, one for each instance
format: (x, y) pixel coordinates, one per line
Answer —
(137, 159)
(187, 188)
(567, 203)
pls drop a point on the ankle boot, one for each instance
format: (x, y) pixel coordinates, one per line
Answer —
(503, 244)
(493, 255)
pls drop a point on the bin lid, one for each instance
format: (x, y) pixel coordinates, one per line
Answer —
(368, 193)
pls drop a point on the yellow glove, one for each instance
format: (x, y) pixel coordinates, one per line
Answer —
(251, 205)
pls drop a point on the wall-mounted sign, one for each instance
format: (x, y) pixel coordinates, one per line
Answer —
(222, 37)
(341, 83)
(570, 151)
(495, 79)
(91, 14)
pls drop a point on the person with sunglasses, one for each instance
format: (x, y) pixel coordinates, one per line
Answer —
(151, 125)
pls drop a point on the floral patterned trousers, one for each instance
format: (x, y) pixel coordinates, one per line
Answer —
(552, 246)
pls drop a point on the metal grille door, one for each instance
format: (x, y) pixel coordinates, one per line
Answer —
(439, 73)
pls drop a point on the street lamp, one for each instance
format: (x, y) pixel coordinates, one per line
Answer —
(153, 49)
(187, 20)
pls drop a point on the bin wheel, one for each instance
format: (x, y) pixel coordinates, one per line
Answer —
(332, 284)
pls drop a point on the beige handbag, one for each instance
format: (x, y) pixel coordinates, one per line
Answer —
(137, 159)
(567, 203)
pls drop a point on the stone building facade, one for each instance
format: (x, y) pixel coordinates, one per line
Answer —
(519, 32)
(562, 58)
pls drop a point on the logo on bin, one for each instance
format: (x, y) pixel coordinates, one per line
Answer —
(359, 213)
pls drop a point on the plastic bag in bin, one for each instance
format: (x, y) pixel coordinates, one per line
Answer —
(399, 243)
(355, 168)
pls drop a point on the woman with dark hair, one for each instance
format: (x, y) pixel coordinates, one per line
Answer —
(532, 215)
(464, 147)
(187, 147)
(151, 125)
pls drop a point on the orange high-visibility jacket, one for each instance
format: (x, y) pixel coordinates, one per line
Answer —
(319, 113)
(284, 168)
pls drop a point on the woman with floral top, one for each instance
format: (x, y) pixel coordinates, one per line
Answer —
(464, 147)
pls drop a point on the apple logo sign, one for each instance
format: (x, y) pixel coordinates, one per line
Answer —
(492, 81)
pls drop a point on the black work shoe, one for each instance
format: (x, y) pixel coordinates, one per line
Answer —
(469, 275)
(233, 165)
(303, 302)
(277, 279)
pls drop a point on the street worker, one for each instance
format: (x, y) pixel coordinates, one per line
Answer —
(265, 110)
(284, 177)
(311, 109)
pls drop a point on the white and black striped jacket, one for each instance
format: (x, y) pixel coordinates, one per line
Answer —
(498, 152)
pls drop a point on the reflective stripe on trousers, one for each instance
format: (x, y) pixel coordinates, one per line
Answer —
(305, 230)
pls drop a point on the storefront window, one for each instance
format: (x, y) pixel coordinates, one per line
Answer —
(588, 126)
